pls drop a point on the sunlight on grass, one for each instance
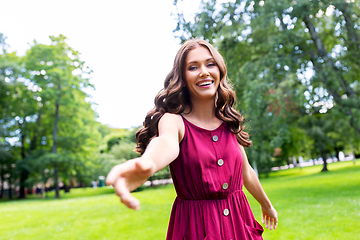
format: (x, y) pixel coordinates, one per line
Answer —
(311, 205)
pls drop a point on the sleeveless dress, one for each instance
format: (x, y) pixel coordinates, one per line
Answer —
(207, 176)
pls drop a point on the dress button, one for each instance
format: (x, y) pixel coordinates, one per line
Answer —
(225, 186)
(215, 138)
(220, 162)
(226, 212)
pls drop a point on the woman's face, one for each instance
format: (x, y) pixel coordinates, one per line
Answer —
(202, 75)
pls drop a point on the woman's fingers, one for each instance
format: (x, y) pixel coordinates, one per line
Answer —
(270, 222)
(275, 223)
(112, 175)
(127, 177)
(269, 218)
(125, 197)
(117, 170)
(134, 166)
(266, 222)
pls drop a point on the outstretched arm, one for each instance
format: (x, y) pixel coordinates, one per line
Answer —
(252, 184)
(160, 152)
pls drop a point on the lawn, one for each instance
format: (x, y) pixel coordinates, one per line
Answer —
(311, 205)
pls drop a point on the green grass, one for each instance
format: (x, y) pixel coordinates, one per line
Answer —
(311, 205)
(77, 216)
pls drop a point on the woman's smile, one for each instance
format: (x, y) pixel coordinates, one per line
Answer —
(202, 74)
(205, 83)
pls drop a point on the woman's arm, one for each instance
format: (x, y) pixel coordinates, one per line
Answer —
(160, 152)
(252, 184)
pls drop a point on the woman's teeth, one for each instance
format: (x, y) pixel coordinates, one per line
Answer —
(205, 83)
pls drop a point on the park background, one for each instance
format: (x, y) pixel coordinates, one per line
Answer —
(294, 66)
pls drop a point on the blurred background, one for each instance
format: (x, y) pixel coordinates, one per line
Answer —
(78, 77)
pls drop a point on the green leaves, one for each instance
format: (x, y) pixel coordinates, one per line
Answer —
(44, 110)
(288, 60)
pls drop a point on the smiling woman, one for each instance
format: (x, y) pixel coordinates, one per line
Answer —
(201, 73)
(195, 129)
(176, 98)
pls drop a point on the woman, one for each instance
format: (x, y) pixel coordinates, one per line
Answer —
(194, 128)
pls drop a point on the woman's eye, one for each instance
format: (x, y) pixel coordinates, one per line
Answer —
(211, 64)
(192, 68)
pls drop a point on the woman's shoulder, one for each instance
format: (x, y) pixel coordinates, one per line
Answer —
(171, 120)
(172, 117)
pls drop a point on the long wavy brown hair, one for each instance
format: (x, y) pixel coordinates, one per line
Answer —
(174, 98)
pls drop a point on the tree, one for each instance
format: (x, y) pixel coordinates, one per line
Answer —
(57, 70)
(317, 128)
(46, 117)
(334, 61)
(118, 136)
(124, 150)
(7, 161)
(268, 93)
(17, 106)
(293, 54)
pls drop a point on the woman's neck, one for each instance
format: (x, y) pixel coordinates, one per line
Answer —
(203, 113)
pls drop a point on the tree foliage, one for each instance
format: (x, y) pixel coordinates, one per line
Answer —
(46, 114)
(289, 61)
(48, 130)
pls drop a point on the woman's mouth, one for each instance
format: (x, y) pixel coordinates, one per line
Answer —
(205, 83)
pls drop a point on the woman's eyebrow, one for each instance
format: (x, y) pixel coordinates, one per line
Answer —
(207, 60)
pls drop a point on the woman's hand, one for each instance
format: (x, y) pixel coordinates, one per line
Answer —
(269, 217)
(127, 177)
(160, 152)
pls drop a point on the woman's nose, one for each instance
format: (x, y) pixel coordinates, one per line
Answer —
(204, 72)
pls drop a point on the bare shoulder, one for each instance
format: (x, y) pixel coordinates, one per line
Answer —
(242, 149)
(174, 118)
(243, 153)
(170, 122)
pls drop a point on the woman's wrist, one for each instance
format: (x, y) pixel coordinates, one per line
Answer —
(267, 205)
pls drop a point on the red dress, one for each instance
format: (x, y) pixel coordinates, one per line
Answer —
(207, 176)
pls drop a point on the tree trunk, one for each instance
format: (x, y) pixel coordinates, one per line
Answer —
(23, 176)
(323, 155)
(151, 181)
(10, 190)
(54, 147)
(2, 183)
(66, 188)
(24, 173)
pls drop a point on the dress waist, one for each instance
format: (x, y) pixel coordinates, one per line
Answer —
(239, 191)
